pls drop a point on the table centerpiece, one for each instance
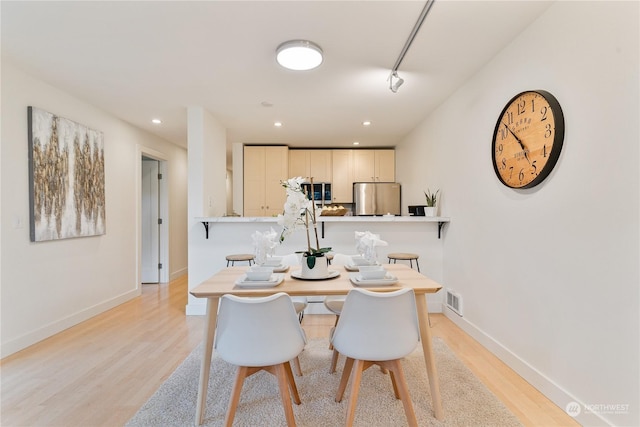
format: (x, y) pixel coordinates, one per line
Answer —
(300, 212)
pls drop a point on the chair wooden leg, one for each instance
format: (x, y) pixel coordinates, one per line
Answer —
(355, 389)
(284, 393)
(292, 384)
(394, 384)
(296, 366)
(395, 366)
(241, 374)
(334, 325)
(346, 372)
(334, 361)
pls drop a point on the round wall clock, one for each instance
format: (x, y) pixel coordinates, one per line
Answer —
(527, 139)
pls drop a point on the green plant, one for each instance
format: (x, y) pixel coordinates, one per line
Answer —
(432, 198)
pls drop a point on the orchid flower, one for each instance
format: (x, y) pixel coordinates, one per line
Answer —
(300, 213)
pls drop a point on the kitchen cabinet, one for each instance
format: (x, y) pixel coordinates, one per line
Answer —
(264, 169)
(311, 163)
(374, 165)
(299, 163)
(342, 176)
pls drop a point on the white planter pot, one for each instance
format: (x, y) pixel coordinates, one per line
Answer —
(429, 211)
(319, 270)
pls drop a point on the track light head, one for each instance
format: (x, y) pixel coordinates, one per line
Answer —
(394, 86)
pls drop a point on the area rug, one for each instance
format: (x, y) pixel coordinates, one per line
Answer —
(465, 400)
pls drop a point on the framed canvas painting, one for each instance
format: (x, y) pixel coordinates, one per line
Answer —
(66, 178)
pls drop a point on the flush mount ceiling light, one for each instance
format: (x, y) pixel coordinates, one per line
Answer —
(299, 55)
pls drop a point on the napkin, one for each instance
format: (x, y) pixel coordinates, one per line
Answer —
(366, 243)
(264, 244)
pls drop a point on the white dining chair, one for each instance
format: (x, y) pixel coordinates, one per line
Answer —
(299, 303)
(333, 303)
(376, 328)
(260, 334)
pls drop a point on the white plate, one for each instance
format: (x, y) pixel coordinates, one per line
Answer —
(275, 280)
(354, 267)
(385, 281)
(298, 275)
(280, 268)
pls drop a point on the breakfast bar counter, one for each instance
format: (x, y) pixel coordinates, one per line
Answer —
(440, 221)
(213, 238)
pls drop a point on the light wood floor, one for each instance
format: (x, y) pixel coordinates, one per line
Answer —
(99, 373)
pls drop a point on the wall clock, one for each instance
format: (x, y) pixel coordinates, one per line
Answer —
(527, 139)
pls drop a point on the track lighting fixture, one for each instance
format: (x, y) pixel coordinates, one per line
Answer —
(394, 86)
(394, 71)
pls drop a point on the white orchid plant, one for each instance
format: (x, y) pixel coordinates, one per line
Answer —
(300, 212)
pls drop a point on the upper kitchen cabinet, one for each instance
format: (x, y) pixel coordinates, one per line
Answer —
(342, 182)
(314, 164)
(374, 166)
(264, 169)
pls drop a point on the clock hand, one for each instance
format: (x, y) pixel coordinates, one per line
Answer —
(524, 150)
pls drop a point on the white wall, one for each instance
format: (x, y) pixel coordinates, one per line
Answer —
(50, 286)
(549, 276)
(207, 141)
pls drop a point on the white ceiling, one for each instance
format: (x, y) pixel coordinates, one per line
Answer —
(146, 59)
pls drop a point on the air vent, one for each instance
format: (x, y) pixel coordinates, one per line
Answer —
(454, 302)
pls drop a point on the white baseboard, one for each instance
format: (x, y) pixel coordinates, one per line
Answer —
(178, 273)
(196, 309)
(542, 383)
(26, 340)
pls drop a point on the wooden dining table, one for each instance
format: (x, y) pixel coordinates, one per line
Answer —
(224, 283)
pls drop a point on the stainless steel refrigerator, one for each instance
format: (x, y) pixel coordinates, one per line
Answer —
(376, 198)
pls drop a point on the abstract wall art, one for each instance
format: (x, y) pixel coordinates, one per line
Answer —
(66, 178)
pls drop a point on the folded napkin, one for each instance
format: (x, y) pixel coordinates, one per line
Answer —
(366, 243)
(264, 245)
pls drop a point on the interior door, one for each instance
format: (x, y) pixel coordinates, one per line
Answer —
(150, 217)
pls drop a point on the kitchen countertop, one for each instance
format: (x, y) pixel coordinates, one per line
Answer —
(381, 218)
(322, 220)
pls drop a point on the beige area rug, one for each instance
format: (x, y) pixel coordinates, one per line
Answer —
(466, 401)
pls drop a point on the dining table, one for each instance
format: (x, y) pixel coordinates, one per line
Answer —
(226, 282)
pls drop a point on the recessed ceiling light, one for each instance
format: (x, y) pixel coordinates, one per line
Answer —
(156, 121)
(278, 124)
(356, 143)
(299, 55)
(266, 104)
(366, 123)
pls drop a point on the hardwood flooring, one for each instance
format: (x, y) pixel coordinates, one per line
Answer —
(99, 373)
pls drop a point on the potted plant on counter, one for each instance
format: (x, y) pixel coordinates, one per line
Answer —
(432, 200)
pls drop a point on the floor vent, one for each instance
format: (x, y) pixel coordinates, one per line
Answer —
(454, 302)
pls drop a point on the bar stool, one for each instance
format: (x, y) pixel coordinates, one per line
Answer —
(405, 256)
(239, 257)
(329, 258)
